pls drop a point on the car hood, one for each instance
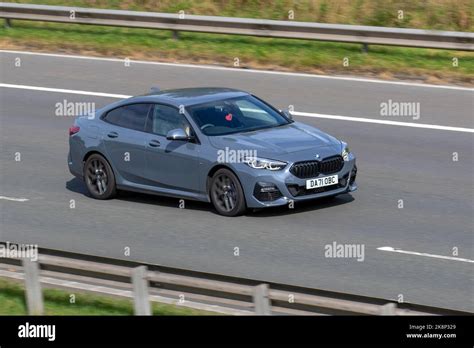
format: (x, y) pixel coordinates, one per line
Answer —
(281, 141)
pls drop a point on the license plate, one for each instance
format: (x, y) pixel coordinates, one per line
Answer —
(321, 182)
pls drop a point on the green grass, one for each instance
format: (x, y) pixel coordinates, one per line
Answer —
(252, 52)
(428, 14)
(57, 302)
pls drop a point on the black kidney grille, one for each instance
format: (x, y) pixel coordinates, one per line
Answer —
(331, 165)
(306, 169)
(311, 169)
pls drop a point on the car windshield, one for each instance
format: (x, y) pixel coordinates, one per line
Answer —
(242, 114)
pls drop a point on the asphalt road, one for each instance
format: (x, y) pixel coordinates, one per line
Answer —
(279, 245)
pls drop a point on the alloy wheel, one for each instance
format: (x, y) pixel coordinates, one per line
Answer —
(96, 175)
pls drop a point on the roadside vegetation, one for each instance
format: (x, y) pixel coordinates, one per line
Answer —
(454, 15)
(426, 65)
(57, 302)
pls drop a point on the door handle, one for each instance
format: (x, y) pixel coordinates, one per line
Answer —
(112, 135)
(154, 143)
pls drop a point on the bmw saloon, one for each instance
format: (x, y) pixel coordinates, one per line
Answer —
(216, 145)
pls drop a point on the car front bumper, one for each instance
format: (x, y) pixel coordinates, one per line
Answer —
(290, 187)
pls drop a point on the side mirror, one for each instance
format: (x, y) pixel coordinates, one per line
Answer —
(177, 134)
(287, 114)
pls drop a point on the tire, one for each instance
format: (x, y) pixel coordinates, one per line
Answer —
(226, 193)
(99, 177)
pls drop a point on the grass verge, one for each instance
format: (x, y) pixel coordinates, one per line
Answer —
(427, 14)
(57, 302)
(428, 65)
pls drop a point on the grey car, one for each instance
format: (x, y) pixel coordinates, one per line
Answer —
(217, 145)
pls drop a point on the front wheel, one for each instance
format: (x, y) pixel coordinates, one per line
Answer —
(226, 193)
(99, 177)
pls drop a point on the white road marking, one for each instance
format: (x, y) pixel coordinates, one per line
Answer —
(269, 72)
(386, 122)
(296, 113)
(61, 90)
(452, 258)
(14, 199)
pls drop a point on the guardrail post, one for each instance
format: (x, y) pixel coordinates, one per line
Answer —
(365, 48)
(388, 309)
(8, 23)
(175, 35)
(141, 300)
(261, 300)
(34, 296)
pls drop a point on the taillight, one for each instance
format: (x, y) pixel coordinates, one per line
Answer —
(73, 130)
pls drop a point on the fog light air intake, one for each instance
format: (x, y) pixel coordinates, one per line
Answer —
(266, 192)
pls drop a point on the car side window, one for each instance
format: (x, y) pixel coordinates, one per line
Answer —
(165, 118)
(131, 116)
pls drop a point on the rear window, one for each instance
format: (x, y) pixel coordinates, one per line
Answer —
(131, 116)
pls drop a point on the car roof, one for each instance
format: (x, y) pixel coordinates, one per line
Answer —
(189, 96)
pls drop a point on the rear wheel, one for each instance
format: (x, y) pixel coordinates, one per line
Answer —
(226, 193)
(99, 177)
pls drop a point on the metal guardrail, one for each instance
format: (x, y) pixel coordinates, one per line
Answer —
(366, 35)
(227, 295)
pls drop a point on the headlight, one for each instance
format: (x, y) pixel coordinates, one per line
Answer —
(345, 151)
(263, 163)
